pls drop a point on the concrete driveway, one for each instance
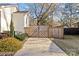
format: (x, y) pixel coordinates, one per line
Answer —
(40, 47)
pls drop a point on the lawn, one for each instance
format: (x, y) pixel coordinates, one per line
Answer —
(70, 44)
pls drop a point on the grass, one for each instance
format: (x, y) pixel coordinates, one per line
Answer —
(70, 44)
(73, 37)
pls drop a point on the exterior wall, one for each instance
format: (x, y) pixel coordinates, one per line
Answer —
(3, 22)
(18, 20)
(27, 20)
(76, 25)
(6, 12)
(7, 17)
(0, 20)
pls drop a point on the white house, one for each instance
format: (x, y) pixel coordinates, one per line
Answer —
(21, 19)
(5, 17)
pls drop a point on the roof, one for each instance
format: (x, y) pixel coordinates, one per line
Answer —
(55, 23)
(6, 4)
(76, 22)
(21, 12)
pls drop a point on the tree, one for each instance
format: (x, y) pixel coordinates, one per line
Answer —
(69, 14)
(41, 12)
(11, 29)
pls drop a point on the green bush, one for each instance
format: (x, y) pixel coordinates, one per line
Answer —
(21, 36)
(10, 45)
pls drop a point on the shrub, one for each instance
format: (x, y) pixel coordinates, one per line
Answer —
(11, 29)
(21, 36)
(3, 35)
(10, 45)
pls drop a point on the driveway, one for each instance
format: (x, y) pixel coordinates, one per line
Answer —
(40, 47)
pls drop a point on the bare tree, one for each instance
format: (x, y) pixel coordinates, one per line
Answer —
(69, 14)
(41, 12)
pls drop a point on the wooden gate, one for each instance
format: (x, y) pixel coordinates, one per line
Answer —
(39, 31)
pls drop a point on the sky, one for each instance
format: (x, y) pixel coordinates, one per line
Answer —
(23, 6)
(26, 6)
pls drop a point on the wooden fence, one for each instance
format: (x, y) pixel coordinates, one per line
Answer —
(44, 31)
(58, 32)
